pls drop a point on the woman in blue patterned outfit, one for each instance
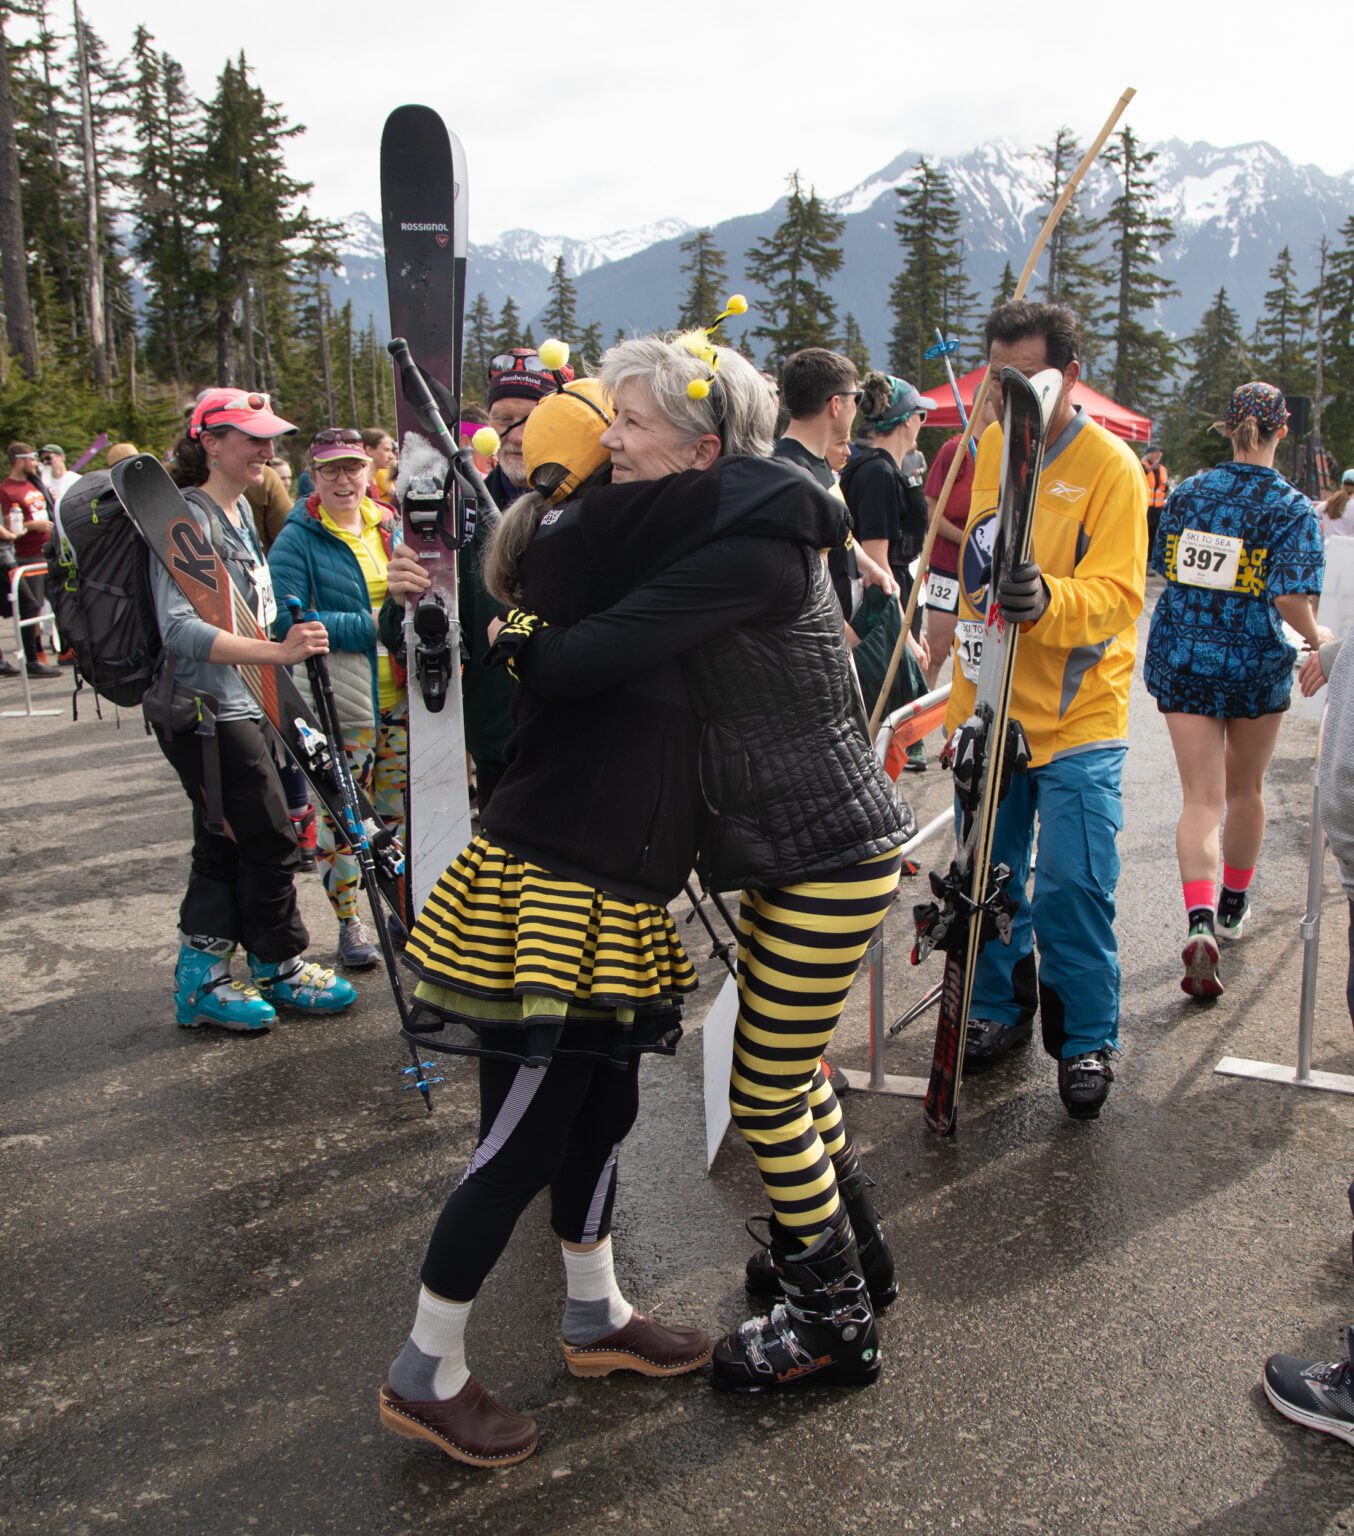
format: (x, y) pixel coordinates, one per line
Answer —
(1241, 552)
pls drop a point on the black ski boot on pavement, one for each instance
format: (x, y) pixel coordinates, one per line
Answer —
(1084, 1084)
(822, 1333)
(876, 1262)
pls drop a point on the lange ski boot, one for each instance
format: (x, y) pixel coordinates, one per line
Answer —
(823, 1332)
(302, 984)
(876, 1262)
(205, 994)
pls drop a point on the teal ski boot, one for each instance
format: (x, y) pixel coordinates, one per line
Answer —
(205, 994)
(302, 984)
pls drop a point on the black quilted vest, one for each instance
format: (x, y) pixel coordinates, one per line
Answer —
(792, 787)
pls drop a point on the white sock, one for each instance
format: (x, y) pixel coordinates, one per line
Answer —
(594, 1305)
(439, 1331)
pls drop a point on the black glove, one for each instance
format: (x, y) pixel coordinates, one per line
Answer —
(1023, 594)
(511, 640)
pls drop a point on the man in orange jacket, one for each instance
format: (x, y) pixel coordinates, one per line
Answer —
(1158, 486)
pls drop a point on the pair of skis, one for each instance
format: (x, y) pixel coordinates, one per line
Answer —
(972, 904)
(423, 215)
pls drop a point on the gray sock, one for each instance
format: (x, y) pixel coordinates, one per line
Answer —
(594, 1305)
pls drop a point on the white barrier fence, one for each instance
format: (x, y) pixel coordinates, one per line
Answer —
(16, 575)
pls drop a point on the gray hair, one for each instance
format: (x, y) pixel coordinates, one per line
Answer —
(665, 368)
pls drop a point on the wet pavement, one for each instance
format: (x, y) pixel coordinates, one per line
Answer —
(209, 1245)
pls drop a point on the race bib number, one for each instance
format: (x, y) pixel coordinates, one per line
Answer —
(264, 600)
(968, 639)
(942, 592)
(1207, 559)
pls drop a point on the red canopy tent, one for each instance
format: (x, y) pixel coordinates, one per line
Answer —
(1114, 418)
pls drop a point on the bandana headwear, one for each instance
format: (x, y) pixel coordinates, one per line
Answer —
(561, 441)
(1263, 401)
(904, 403)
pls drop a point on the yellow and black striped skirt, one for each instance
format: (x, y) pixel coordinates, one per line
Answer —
(514, 961)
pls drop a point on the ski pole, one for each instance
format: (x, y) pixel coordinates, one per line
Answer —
(719, 948)
(944, 349)
(421, 400)
(359, 845)
(980, 398)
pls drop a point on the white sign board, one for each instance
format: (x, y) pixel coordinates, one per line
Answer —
(718, 1032)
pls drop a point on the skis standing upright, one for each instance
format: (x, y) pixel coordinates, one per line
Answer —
(423, 208)
(972, 903)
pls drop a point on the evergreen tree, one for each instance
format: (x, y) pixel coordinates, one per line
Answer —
(791, 266)
(1337, 408)
(479, 348)
(167, 132)
(255, 218)
(528, 338)
(931, 291)
(588, 349)
(853, 344)
(1074, 277)
(1006, 287)
(1283, 327)
(1142, 355)
(20, 334)
(1218, 363)
(561, 310)
(509, 333)
(705, 289)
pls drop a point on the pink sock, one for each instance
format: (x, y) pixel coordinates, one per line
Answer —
(1198, 893)
(1237, 879)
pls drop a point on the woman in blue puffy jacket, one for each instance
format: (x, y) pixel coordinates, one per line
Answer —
(332, 553)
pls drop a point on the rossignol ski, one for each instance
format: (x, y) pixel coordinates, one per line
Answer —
(971, 902)
(423, 206)
(317, 668)
(176, 539)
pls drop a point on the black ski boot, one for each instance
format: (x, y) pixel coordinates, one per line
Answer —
(822, 1333)
(876, 1262)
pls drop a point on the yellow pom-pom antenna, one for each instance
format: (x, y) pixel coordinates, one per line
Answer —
(553, 353)
(486, 442)
(697, 389)
(737, 305)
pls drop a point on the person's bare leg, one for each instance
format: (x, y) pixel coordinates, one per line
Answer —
(1199, 742)
(1250, 745)
(940, 639)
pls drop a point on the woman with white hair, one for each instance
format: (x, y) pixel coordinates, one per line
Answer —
(800, 818)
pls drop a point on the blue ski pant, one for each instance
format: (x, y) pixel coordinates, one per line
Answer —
(1069, 915)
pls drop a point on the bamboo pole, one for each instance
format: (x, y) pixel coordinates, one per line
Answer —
(980, 398)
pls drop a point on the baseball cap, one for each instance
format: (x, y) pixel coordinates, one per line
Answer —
(246, 410)
(53, 448)
(561, 442)
(1347, 478)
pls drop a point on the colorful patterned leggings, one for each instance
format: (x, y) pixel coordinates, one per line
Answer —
(379, 759)
(799, 949)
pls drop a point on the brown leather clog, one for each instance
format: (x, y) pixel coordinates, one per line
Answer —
(644, 1346)
(470, 1427)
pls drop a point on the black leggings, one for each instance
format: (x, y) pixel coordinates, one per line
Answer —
(560, 1125)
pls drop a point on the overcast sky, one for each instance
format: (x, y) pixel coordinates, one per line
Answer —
(580, 117)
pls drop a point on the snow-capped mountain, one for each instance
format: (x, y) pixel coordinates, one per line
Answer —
(1233, 208)
(518, 263)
